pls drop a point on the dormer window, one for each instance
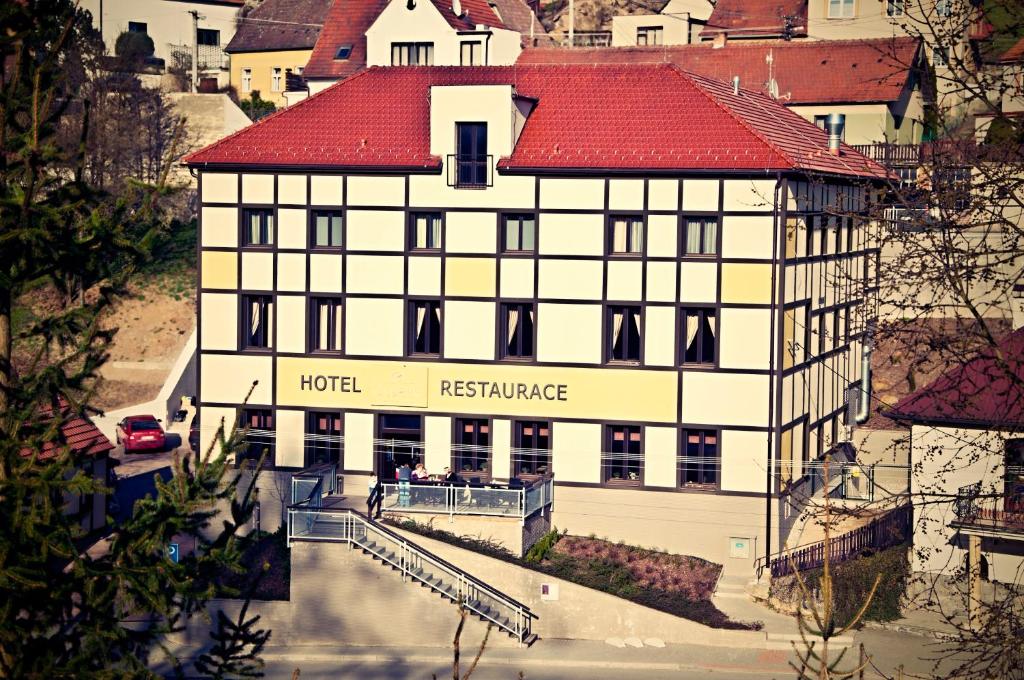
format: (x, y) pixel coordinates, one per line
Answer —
(472, 53)
(412, 54)
(471, 162)
(649, 35)
(344, 52)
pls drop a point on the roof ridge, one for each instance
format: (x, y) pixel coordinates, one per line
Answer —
(265, 119)
(728, 109)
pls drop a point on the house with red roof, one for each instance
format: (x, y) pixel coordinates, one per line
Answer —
(612, 274)
(875, 83)
(678, 22)
(967, 453)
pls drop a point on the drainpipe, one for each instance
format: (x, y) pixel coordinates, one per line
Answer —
(864, 403)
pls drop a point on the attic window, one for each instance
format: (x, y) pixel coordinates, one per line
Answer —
(344, 52)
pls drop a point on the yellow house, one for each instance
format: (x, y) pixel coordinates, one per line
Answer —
(273, 41)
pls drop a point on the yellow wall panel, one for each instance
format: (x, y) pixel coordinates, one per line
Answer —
(662, 236)
(470, 276)
(424, 275)
(698, 282)
(291, 323)
(324, 273)
(516, 277)
(661, 281)
(257, 188)
(220, 227)
(569, 333)
(291, 271)
(258, 271)
(226, 378)
(626, 194)
(292, 225)
(660, 466)
(375, 230)
(659, 336)
(220, 187)
(571, 234)
(572, 193)
(663, 194)
(625, 280)
(744, 458)
(571, 279)
(700, 194)
(375, 274)
(749, 194)
(289, 438)
(220, 269)
(374, 326)
(724, 398)
(576, 452)
(376, 191)
(471, 232)
(219, 329)
(746, 283)
(501, 448)
(210, 423)
(487, 389)
(326, 190)
(469, 330)
(291, 189)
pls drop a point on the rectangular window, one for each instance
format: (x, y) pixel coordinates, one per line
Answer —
(257, 227)
(940, 56)
(208, 36)
(276, 78)
(520, 233)
(323, 438)
(841, 9)
(258, 424)
(138, 27)
(471, 154)
(894, 8)
(700, 236)
(531, 448)
(412, 54)
(699, 335)
(698, 460)
(944, 8)
(623, 459)
(471, 452)
(325, 316)
(471, 53)
(517, 331)
(257, 319)
(325, 229)
(425, 231)
(246, 80)
(425, 327)
(625, 235)
(624, 333)
(649, 35)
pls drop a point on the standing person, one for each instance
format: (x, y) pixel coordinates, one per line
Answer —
(404, 477)
(372, 484)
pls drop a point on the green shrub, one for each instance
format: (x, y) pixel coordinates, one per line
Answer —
(134, 46)
(539, 550)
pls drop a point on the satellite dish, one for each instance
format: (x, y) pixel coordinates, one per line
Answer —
(773, 89)
(457, 8)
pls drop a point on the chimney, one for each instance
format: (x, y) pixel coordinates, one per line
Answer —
(736, 85)
(719, 41)
(834, 126)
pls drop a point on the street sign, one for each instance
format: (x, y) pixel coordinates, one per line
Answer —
(174, 552)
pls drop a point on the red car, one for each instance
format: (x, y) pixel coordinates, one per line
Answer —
(141, 433)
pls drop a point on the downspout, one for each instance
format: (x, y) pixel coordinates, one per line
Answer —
(864, 402)
(774, 410)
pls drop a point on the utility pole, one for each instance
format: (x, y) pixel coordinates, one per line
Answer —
(572, 23)
(195, 48)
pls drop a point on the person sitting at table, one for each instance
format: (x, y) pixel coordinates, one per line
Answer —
(450, 477)
(420, 473)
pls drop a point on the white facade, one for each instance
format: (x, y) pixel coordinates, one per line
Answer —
(423, 25)
(680, 22)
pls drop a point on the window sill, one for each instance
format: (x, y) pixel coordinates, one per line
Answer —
(325, 352)
(332, 249)
(425, 251)
(630, 256)
(623, 362)
(518, 253)
(423, 355)
(699, 488)
(256, 350)
(699, 366)
(257, 246)
(519, 360)
(622, 483)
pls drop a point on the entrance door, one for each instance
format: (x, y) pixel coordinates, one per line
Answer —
(399, 441)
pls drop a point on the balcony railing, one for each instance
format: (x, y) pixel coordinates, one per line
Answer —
(470, 172)
(211, 57)
(1003, 513)
(850, 480)
(891, 155)
(495, 500)
(587, 39)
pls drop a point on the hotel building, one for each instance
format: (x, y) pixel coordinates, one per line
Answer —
(639, 280)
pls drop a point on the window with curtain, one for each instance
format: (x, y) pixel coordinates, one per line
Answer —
(258, 426)
(699, 459)
(471, 53)
(326, 229)
(425, 231)
(701, 236)
(531, 448)
(520, 233)
(518, 322)
(425, 327)
(471, 454)
(700, 329)
(257, 227)
(624, 333)
(894, 8)
(622, 460)
(257, 319)
(323, 438)
(841, 9)
(325, 332)
(625, 235)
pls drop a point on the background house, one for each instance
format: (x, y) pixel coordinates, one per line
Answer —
(678, 23)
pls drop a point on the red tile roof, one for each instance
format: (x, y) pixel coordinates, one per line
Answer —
(983, 392)
(813, 72)
(473, 12)
(517, 16)
(345, 24)
(603, 117)
(77, 433)
(757, 18)
(1014, 54)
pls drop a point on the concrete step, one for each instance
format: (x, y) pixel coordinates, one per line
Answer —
(786, 640)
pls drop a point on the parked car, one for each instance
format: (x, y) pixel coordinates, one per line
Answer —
(193, 434)
(141, 433)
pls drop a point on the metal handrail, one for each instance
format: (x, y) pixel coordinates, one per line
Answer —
(521, 502)
(408, 557)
